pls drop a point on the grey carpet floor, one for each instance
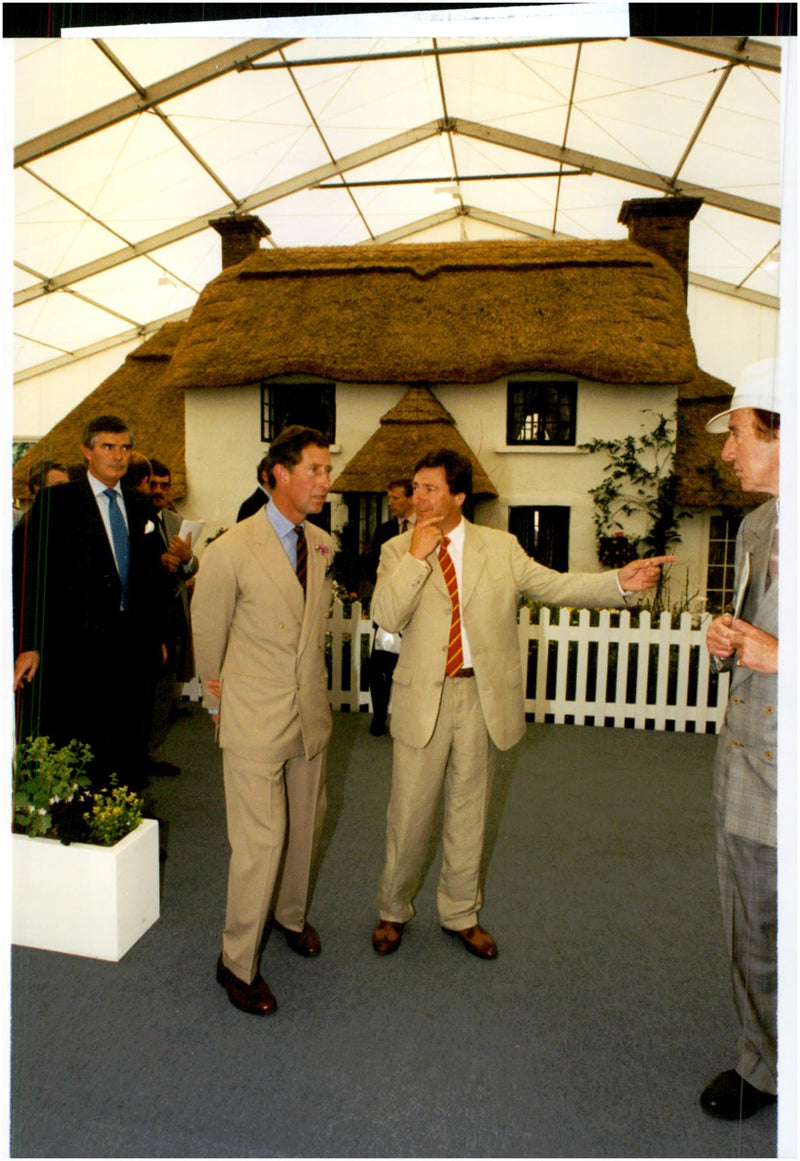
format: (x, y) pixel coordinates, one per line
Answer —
(591, 1035)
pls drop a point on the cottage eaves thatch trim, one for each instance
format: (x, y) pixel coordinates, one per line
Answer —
(466, 312)
(704, 480)
(139, 393)
(416, 425)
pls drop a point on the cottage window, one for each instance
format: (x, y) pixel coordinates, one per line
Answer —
(309, 404)
(543, 533)
(721, 562)
(541, 412)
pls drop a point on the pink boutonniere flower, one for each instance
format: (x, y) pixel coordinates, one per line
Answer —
(325, 553)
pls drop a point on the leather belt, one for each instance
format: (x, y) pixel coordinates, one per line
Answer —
(464, 673)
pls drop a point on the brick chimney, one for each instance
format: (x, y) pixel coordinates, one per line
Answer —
(241, 236)
(662, 225)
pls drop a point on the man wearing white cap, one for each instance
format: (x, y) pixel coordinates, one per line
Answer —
(745, 770)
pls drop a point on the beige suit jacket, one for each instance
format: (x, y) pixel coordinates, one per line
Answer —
(254, 632)
(411, 597)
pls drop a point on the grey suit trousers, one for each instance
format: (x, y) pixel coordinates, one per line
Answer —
(748, 886)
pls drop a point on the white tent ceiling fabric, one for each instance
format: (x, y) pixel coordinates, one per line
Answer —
(125, 149)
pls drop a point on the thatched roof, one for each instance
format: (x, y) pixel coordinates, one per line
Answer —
(455, 312)
(416, 425)
(139, 393)
(704, 480)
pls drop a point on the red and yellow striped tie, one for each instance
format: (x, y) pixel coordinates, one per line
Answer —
(455, 652)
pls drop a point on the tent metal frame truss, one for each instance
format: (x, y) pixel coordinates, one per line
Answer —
(234, 131)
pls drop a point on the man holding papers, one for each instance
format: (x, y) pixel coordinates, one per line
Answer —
(745, 766)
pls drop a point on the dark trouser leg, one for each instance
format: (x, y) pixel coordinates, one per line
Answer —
(381, 668)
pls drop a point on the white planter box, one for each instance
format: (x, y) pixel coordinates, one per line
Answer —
(84, 899)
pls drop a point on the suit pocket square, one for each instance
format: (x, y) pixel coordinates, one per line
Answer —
(149, 527)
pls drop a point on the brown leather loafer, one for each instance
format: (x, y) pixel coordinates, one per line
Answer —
(476, 941)
(255, 998)
(386, 936)
(305, 942)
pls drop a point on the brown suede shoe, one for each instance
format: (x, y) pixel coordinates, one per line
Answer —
(255, 998)
(386, 936)
(476, 941)
(305, 942)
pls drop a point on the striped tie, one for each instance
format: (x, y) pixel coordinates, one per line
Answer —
(302, 556)
(455, 653)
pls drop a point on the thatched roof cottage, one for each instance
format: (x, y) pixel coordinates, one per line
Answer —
(396, 346)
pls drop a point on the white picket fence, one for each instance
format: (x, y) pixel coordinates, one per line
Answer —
(612, 673)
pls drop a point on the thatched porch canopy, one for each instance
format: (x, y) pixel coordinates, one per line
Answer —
(416, 425)
(704, 481)
(139, 393)
(465, 312)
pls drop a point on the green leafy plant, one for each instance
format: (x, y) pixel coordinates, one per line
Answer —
(639, 480)
(52, 798)
(50, 786)
(114, 813)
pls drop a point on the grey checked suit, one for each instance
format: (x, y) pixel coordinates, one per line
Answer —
(745, 797)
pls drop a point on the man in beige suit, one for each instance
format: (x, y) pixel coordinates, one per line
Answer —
(259, 616)
(452, 588)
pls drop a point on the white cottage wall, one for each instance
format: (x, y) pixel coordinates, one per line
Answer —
(223, 448)
(552, 476)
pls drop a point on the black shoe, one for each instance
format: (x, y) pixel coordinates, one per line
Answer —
(163, 770)
(377, 729)
(733, 1098)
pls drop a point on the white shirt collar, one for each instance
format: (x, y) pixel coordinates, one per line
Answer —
(98, 487)
(456, 536)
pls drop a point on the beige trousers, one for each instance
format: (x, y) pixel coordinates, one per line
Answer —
(460, 758)
(275, 814)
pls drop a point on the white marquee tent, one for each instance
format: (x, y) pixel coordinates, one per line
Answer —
(127, 146)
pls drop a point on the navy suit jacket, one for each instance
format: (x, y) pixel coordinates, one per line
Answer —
(72, 591)
(252, 504)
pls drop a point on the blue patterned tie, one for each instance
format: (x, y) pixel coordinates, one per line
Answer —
(119, 534)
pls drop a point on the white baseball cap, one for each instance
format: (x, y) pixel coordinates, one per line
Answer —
(757, 386)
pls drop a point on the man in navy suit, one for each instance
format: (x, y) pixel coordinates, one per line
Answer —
(95, 612)
(256, 501)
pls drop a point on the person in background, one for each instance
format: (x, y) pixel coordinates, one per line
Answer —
(386, 646)
(180, 565)
(256, 500)
(93, 624)
(452, 589)
(260, 614)
(47, 474)
(745, 764)
(137, 475)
